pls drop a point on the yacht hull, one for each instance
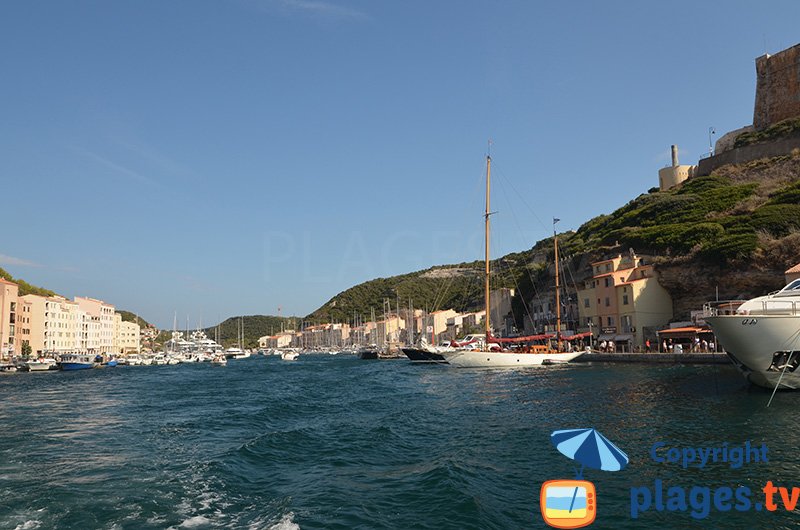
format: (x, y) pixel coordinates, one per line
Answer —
(484, 359)
(760, 346)
(68, 366)
(419, 356)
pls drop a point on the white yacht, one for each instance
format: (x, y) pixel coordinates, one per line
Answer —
(762, 337)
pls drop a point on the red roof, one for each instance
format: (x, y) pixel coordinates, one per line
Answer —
(794, 269)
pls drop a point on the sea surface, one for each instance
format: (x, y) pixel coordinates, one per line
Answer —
(334, 442)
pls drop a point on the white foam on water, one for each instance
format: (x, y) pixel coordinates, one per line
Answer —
(286, 523)
(195, 522)
(29, 525)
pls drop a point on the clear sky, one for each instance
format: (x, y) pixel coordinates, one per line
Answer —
(218, 158)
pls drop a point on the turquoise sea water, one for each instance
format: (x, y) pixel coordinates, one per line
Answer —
(331, 442)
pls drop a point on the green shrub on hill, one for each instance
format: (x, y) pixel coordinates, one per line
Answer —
(779, 130)
(777, 219)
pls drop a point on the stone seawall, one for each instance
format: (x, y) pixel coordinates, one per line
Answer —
(679, 358)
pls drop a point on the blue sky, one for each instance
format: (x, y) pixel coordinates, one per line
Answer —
(217, 158)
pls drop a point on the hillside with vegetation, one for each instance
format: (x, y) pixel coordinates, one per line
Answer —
(733, 232)
(25, 287)
(254, 326)
(127, 316)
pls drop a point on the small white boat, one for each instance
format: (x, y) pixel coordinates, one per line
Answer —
(290, 355)
(219, 360)
(41, 365)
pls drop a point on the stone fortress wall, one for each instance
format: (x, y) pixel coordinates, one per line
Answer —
(777, 88)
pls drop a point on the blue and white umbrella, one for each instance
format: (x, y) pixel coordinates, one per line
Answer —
(590, 448)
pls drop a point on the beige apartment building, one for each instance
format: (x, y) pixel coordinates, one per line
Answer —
(101, 323)
(434, 323)
(283, 339)
(56, 324)
(388, 330)
(623, 300)
(127, 336)
(9, 305)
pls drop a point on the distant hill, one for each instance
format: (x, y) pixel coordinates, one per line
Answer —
(255, 326)
(25, 287)
(736, 230)
(127, 316)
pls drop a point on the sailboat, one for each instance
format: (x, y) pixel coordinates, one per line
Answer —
(492, 355)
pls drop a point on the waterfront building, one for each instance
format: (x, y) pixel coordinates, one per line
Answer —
(388, 330)
(9, 303)
(464, 323)
(435, 323)
(101, 323)
(792, 274)
(623, 301)
(23, 325)
(500, 308)
(57, 325)
(281, 340)
(127, 336)
(541, 317)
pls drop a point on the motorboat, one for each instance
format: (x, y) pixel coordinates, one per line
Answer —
(42, 364)
(219, 360)
(762, 336)
(290, 355)
(76, 362)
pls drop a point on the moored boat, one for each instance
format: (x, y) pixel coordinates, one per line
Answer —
(491, 354)
(368, 353)
(219, 360)
(76, 362)
(424, 356)
(762, 337)
(42, 364)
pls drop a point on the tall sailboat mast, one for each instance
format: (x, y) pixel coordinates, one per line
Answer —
(488, 325)
(558, 287)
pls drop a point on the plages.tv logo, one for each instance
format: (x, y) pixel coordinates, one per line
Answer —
(573, 503)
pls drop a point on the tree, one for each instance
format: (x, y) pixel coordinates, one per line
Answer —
(26, 348)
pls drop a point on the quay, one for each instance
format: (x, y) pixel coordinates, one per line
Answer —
(675, 358)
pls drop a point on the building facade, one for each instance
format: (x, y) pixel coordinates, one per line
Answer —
(101, 323)
(9, 305)
(623, 302)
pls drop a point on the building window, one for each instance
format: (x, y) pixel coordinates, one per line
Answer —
(608, 282)
(608, 302)
(610, 321)
(624, 299)
(627, 326)
(585, 302)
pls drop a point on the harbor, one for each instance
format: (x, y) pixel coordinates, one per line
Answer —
(330, 441)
